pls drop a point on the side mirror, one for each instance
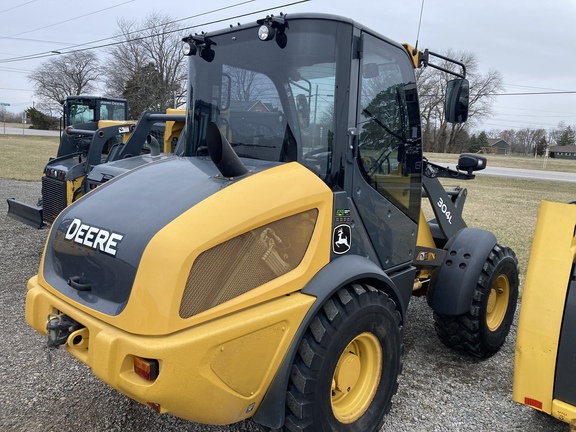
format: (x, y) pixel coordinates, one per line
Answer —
(370, 70)
(225, 92)
(471, 162)
(456, 104)
(303, 110)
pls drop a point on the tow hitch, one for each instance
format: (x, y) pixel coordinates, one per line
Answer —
(60, 327)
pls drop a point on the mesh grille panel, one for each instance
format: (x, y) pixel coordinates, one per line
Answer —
(247, 261)
(53, 198)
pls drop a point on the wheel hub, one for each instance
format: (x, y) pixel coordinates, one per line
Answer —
(356, 378)
(347, 372)
(497, 302)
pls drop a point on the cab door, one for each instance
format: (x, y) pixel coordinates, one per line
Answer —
(387, 175)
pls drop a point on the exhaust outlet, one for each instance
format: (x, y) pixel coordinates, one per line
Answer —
(222, 153)
(154, 145)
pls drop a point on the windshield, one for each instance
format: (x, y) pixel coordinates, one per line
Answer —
(113, 110)
(273, 101)
(80, 112)
(84, 110)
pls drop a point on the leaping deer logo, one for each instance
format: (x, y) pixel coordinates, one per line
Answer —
(341, 240)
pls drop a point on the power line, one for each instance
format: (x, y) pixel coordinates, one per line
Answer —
(71, 19)
(52, 53)
(16, 7)
(531, 93)
(15, 89)
(537, 116)
(516, 124)
(515, 109)
(35, 40)
(533, 88)
(14, 70)
(153, 27)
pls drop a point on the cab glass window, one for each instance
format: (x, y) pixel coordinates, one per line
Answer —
(112, 110)
(389, 126)
(80, 113)
(272, 100)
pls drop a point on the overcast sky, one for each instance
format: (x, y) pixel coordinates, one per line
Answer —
(532, 43)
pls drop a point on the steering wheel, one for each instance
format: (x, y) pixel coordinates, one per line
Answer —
(316, 154)
(376, 165)
(317, 160)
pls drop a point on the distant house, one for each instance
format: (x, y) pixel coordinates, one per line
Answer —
(497, 146)
(563, 152)
(250, 106)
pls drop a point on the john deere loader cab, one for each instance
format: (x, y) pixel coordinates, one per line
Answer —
(266, 273)
(82, 109)
(86, 112)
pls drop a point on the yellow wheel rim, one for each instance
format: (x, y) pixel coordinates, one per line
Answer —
(497, 302)
(356, 378)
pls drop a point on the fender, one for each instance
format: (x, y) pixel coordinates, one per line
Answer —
(452, 285)
(330, 279)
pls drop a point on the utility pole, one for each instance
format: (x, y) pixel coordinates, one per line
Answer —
(4, 105)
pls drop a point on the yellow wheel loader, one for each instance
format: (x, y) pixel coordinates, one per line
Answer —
(267, 271)
(96, 132)
(545, 352)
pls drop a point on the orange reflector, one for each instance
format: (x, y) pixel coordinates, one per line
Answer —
(154, 406)
(533, 402)
(146, 368)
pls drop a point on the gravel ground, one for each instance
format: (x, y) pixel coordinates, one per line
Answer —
(439, 390)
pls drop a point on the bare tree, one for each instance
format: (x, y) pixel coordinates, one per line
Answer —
(509, 135)
(438, 135)
(555, 133)
(528, 139)
(243, 84)
(525, 141)
(153, 44)
(65, 75)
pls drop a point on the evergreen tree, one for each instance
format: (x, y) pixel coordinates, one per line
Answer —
(482, 140)
(540, 148)
(568, 137)
(40, 120)
(474, 145)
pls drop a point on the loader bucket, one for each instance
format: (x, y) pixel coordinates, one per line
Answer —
(544, 354)
(25, 213)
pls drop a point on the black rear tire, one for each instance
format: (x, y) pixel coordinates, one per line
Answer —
(484, 328)
(346, 370)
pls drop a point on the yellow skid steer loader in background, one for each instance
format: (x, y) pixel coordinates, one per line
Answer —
(96, 132)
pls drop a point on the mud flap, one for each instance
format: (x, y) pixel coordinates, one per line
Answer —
(452, 285)
(25, 213)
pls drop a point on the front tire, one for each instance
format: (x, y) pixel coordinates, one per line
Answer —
(346, 370)
(483, 329)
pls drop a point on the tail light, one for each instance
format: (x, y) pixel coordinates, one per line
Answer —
(146, 368)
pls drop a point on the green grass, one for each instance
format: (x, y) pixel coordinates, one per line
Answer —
(23, 157)
(509, 161)
(509, 208)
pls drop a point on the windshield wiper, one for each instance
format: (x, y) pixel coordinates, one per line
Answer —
(382, 125)
(252, 145)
